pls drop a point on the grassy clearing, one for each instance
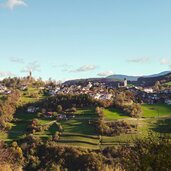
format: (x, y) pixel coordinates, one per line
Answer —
(86, 111)
(19, 127)
(123, 138)
(168, 83)
(79, 139)
(156, 110)
(25, 99)
(78, 131)
(162, 125)
(79, 144)
(78, 126)
(112, 114)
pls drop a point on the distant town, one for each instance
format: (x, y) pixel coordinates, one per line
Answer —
(100, 89)
(96, 117)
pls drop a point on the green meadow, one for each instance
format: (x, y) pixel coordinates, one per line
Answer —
(79, 132)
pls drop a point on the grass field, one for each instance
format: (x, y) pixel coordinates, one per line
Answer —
(86, 111)
(78, 131)
(156, 110)
(113, 114)
(19, 127)
(168, 83)
(78, 126)
(25, 99)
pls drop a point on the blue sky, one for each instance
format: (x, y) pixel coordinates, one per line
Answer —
(67, 39)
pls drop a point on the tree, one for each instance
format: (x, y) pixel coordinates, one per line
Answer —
(92, 161)
(100, 112)
(152, 153)
(157, 86)
(59, 109)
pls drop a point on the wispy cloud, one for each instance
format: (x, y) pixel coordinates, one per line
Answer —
(105, 74)
(32, 67)
(11, 4)
(164, 61)
(139, 60)
(84, 68)
(17, 60)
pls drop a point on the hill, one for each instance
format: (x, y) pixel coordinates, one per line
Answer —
(93, 80)
(122, 77)
(135, 78)
(150, 81)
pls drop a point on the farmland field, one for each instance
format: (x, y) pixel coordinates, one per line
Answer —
(156, 110)
(79, 132)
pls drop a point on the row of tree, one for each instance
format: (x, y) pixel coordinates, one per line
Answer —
(8, 107)
(31, 153)
(111, 128)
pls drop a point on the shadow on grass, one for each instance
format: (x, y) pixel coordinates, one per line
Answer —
(80, 135)
(118, 111)
(24, 116)
(86, 111)
(20, 126)
(18, 130)
(163, 126)
(77, 141)
(53, 128)
(78, 126)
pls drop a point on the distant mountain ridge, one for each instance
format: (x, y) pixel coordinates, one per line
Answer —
(148, 80)
(135, 78)
(122, 77)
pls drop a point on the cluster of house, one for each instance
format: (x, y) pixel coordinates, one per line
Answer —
(150, 96)
(23, 87)
(65, 117)
(95, 90)
(4, 90)
(98, 91)
(46, 114)
(32, 109)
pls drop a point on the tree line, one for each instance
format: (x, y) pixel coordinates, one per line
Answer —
(8, 108)
(32, 153)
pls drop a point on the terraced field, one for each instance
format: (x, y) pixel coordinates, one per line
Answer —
(79, 132)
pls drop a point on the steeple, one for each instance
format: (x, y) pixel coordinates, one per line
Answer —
(125, 82)
(30, 75)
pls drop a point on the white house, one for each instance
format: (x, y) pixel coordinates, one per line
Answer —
(148, 90)
(32, 109)
(89, 85)
(168, 101)
(97, 96)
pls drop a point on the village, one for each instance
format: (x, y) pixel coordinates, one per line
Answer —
(102, 91)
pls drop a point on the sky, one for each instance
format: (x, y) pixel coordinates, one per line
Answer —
(69, 39)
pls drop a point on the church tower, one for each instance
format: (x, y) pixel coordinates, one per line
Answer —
(125, 82)
(30, 76)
